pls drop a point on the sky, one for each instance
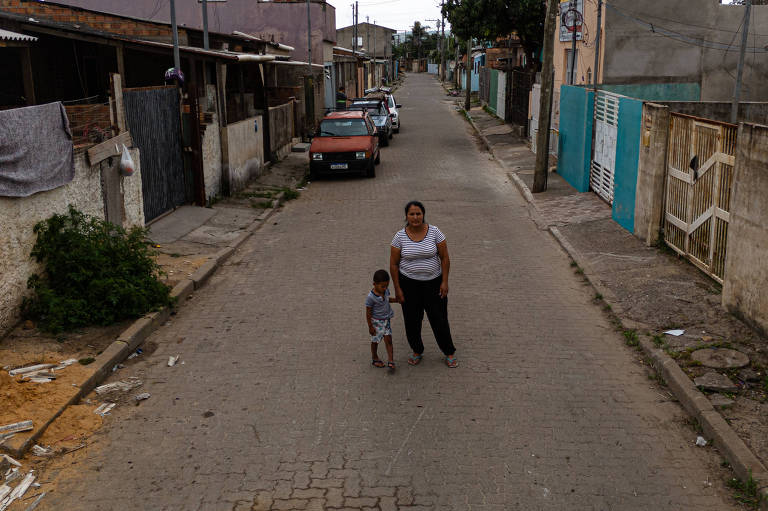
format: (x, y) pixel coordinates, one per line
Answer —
(395, 14)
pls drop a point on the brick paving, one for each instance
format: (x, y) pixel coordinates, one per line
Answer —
(548, 409)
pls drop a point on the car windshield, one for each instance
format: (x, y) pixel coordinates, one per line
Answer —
(391, 102)
(342, 128)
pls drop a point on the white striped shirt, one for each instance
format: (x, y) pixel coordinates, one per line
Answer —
(419, 259)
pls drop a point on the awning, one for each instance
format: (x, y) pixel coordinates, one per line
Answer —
(7, 35)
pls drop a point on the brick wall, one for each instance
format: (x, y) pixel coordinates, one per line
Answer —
(95, 20)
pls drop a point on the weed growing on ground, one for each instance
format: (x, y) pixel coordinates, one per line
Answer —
(598, 296)
(630, 337)
(95, 272)
(573, 264)
(290, 194)
(579, 271)
(86, 361)
(694, 423)
(745, 491)
(765, 383)
(607, 307)
(658, 340)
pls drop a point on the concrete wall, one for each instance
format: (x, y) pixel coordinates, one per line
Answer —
(21, 214)
(720, 111)
(627, 155)
(651, 173)
(575, 149)
(657, 91)
(745, 288)
(281, 127)
(211, 142)
(245, 149)
(284, 22)
(501, 96)
(636, 54)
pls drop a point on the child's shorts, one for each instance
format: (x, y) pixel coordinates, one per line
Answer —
(382, 328)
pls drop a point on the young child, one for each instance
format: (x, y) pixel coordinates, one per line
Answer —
(378, 313)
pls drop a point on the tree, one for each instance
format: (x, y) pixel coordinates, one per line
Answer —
(470, 19)
(523, 17)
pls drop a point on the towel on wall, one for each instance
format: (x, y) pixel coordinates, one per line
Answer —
(36, 151)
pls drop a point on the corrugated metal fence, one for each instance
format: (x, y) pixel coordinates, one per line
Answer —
(153, 118)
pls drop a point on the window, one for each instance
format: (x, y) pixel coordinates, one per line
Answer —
(342, 128)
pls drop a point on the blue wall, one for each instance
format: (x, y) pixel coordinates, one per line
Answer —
(627, 159)
(658, 91)
(575, 151)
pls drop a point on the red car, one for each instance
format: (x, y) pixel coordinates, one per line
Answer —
(346, 142)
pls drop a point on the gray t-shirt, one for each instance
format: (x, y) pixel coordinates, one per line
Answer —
(380, 305)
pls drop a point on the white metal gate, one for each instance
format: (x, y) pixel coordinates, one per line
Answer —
(604, 156)
(700, 162)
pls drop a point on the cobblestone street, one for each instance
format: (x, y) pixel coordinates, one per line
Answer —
(277, 406)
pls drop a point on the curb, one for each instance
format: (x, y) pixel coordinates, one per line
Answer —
(714, 427)
(133, 336)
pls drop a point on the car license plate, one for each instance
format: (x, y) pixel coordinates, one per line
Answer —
(339, 166)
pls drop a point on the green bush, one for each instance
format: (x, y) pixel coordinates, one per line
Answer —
(96, 273)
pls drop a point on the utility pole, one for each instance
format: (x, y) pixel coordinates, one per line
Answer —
(309, 89)
(545, 106)
(205, 25)
(357, 79)
(467, 101)
(573, 46)
(740, 71)
(442, 41)
(175, 29)
(596, 69)
(375, 82)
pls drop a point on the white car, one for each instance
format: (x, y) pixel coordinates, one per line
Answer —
(394, 112)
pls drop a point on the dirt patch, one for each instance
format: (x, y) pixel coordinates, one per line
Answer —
(72, 428)
(177, 267)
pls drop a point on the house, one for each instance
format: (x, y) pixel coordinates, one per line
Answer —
(655, 49)
(375, 41)
(280, 21)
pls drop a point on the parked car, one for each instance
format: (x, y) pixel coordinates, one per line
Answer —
(346, 142)
(379, 112)
(394, 107)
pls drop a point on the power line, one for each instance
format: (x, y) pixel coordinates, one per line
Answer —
(671, 34)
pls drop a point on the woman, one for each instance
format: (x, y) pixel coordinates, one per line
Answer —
(419, 265)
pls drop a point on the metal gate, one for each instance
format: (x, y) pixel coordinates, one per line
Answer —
(519, 84)
(604, 155)
(700, 161)
(154, 120)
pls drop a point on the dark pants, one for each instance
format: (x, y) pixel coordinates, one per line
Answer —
(423, 296)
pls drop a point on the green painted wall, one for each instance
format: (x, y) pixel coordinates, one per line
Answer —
(658, 91)
(494, 90)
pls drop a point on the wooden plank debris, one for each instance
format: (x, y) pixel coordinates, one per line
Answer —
(11, 460)
(109, 148)
(18, 492)
(38, 450)
(34, 505)
(30, 369)
(16, 427)
(123, 385)
(4, 491)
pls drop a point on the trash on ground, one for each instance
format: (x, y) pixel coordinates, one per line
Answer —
(700, 441)
(16, 427)
(676, 333)
(12, 475)
(65, 363)
(142, 396)
(45, 373)
(104, 409)
(136, 353)
(38, 450)
(30, 369)
(18, 492)
(122, 385)
(33, 506)
(172, 360)
(4, 491)
(10, 460)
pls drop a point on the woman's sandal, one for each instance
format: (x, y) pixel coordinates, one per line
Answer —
(451, 362)
(414, 360)
(377, 363)
(391, 366)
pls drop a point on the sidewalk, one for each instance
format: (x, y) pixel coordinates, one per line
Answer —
(648, 290)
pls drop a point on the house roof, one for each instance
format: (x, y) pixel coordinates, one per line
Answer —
(7, 35)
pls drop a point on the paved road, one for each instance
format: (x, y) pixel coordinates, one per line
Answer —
(548, 410)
